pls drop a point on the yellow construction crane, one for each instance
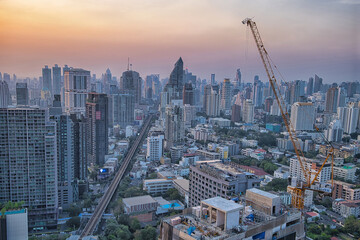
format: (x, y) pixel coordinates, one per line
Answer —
(297, 192)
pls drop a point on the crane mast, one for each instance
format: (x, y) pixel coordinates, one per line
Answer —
(298, 193)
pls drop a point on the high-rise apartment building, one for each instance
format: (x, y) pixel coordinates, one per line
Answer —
(349, 117)
(248, 111)
(67, 186)
(123, 109)
(212, 100)
(174, 125)
(46, 77)
(4, 95)
(97, 127)
(28, 163)
(130, 82)
(302, 116)
(22, 94)
(213, 178)
(77, 85)
(312, 165)
(226, 95)
(345, 191)
(56, 79)
(188, 94)
(155, 146)
(334, 133)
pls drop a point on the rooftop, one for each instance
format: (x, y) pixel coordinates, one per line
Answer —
(183, 183)
(222, 204)
(138, 200)
(263, 193)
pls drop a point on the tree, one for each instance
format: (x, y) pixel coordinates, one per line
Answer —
(134, 224)
(148, 233)
(73, 222)
(267, 139)
(276, 185)
(114, 230)
(73, 210)
(352, 225)
(172, 194)
(152, 175)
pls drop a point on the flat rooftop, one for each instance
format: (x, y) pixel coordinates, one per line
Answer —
(133, 201)
(263, 193)
(222, 204)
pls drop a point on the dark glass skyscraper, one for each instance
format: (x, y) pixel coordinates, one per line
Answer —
(22, 94)
(56, 79)
(97, 127)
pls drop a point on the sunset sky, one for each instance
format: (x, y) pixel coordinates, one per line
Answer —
(303, 37)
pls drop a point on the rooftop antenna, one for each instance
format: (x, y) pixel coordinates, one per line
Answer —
(128, 63)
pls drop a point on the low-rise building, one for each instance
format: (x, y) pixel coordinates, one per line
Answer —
(182, 185)
(139, 204)
(157, 187)
(263, 201)
(14, 225)
(281, 173)
(346, 208)
(345, 191)
(218, 218)
(207, 155)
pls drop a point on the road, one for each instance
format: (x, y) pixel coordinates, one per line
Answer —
(95, 218)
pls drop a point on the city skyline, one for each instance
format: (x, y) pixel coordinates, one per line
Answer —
(305, 39)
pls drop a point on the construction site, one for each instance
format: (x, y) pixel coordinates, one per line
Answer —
(218, 218)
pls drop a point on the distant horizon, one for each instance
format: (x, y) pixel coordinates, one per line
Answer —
(304, 38)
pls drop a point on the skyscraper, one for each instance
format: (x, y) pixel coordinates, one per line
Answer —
(258, 93)
(212, 100)
(4, 94)
(349, 117)
(22, 94)
(317, 84)
(188, 94)
(130, 82)
(213, 81)
(335, 131)
(123, 109)
(331, 100)
(226, 95)
(177, 75)
(238, 77)
(97, 127)
(47, 83)
(302, 116)
(56, 79)
(248, 111)
(68, 191)
(28, 164)
(310, 86)
(77, 85)
(148, 87)
(174, 126)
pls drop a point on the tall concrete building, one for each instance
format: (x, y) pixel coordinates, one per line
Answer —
(56, 79)
(174, 126)
(317, 84)
(80, 147)
(238, 77)
(155, 144)
(28, 164)
(334, 133)
(149, 86)
(331, 100)
(226, 95)
(130, 82)
(258, 89)
(123, 109)
(312, 166)
(212, 81)
(188, 94)
(47, 82)
(77, 86)
(349, 117)
(22, 94)
(302, 116)
(4, 95)
(67, 186)
(212, 100)
(248, 112)
(310, 86)
(213, 178)
(97, 128)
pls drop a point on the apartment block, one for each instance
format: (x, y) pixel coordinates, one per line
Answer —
(157, 187)
(213, 178)
(345, 191)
